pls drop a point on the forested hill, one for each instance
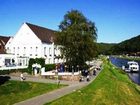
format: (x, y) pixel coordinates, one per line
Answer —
(104, 48)
(128, 46)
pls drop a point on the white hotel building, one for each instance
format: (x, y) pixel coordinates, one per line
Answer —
(32, 41)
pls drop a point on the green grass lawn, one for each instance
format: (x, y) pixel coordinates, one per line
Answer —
(111, 87)
(16, 91)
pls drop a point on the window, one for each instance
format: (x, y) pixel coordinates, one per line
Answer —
(36, 49)
(24, 51)
(44, 50)
(31, 51)
(14, 49)
(18, 51)
(50, 51)
(54, 51)
(49, 60)
(7, 49)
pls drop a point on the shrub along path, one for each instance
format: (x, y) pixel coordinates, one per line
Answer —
(45, 98)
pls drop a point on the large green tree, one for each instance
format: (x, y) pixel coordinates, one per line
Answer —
(78, 37)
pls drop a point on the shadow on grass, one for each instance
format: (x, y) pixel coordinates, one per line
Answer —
(3, 79)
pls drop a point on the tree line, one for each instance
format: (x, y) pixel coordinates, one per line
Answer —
(130, 47)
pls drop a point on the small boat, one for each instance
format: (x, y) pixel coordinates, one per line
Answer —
(133, 66)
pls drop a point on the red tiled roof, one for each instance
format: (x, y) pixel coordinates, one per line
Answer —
(44, 34)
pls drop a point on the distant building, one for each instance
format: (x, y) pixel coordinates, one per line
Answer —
(32, 41)
(3, 55)
(3, 41)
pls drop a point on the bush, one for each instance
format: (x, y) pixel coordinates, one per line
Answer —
(49, 67)
(40, 61)
(32, 61)
(3, 72)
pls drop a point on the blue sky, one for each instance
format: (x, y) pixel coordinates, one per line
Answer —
(116, 20)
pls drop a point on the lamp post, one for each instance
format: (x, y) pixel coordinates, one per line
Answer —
(72, 70)
(78, 68)
(65, 68)
(56, 73)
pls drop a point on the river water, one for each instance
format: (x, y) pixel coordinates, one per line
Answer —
(119, 62)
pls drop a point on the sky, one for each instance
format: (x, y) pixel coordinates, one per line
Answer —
(116, 20)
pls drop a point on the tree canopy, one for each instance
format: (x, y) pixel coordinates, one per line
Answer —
(78, 37)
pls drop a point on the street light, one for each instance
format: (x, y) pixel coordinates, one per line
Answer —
(72, 70)
(65, 68)
(78, 68)
(56, 73)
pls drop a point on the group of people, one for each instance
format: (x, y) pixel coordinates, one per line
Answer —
(86, 73)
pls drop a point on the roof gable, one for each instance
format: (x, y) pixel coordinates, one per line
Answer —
(3, 41)
(44, 34)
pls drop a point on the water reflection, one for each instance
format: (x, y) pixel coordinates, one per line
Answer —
(135, 77)
(119, 62)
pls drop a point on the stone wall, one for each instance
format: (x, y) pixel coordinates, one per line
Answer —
(64, 77)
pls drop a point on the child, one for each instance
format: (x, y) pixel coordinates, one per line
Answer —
(22, 77)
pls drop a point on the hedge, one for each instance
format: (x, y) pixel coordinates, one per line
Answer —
(49, 67)
(32, 61)
(3, 72)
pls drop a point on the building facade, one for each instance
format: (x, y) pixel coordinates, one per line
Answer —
(32, 41)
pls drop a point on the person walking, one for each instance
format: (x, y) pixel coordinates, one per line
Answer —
(22, 77)
(88, 78)
(94, 71)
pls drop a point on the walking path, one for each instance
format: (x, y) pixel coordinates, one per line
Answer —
(48, 97)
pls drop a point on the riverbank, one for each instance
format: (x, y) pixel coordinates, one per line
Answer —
(112, 86)
(129, 58)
